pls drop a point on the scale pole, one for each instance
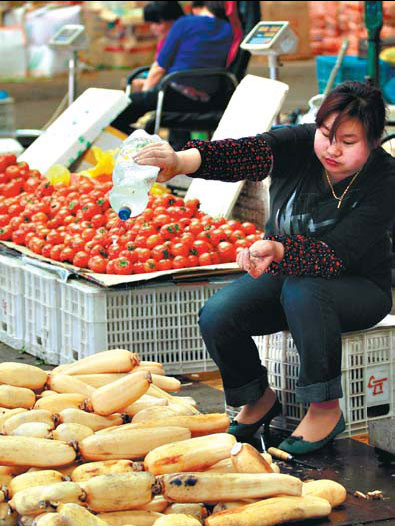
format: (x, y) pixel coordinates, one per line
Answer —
(274, 74)
(73, 63)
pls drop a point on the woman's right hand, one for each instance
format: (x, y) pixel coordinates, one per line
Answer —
(162, 155)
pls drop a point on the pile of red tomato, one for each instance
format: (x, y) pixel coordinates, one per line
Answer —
(75, 224)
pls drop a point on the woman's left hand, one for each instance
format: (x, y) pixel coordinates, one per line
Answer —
(256, 259)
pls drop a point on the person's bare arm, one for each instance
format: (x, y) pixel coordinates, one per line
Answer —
(155, 73)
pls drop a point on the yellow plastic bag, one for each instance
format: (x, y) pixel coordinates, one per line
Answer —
(58, 173)
(105, 161)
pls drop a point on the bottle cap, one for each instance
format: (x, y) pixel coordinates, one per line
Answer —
(124, 213)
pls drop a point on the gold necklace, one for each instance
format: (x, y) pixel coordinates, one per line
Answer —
(340, 199)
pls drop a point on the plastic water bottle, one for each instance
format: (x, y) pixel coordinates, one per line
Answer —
(132, 182)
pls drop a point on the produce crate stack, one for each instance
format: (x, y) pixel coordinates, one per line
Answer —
(43, 331)
(368, 376)
(12, 309)
(159, 322)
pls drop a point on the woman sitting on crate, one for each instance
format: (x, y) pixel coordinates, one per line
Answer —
(323, 267)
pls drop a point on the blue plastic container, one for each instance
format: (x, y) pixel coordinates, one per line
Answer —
(354, 68)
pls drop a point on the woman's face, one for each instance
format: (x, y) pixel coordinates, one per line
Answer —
(348, 151)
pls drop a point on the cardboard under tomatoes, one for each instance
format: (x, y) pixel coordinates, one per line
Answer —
(66, 270)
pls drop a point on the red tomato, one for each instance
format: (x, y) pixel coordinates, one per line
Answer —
(54, 237)
(98, 220)
(110, 267)
(226, 251)
(98, 250)
(154, 240)
(170, 230)
(130, 254)
(187, 237)
(24, 165)
(180, 249)
(67, 254)
(39, 217)
(160, 220)
(88, 233)
(97, 264)
(18, 236)
(140, 241)
(180, 262)
(160, 252)
(31, 184)
(236, 234)
(215, 258)
(164, 264)
(33, 173)
(81, 259)
(4, 219)
(138, 267)
(5, 233)
(15, 222)
(12, 189)
(55, 251)
(248, 227)
(199, 247)
(193, 204)
(195, 227)
(143, 254)
(113, 250)
(123, 266)
(193, 261)
(151, 265)
(90, 209)
(12, 171)
(205, 259)
(15, 209)
(234, 224)
(6, 159)
(46, 250)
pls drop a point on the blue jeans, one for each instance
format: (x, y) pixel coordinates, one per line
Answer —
(315, 310)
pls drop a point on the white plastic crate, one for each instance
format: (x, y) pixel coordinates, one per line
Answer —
(42, 314)
(12, 317)
(368, 377)
(159, 322)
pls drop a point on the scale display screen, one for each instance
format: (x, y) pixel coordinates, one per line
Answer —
(68, 35)
(264, 34)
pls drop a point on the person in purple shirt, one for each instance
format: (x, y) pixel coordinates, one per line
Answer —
(199, 41)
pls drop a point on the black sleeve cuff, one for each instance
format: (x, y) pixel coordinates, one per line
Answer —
(305, 256)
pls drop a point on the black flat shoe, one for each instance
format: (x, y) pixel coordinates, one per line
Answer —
(246, 431)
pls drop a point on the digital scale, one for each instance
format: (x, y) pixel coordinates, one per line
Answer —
(71, 38)
(271, 39)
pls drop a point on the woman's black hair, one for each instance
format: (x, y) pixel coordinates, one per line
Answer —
(354, 99)
(216, 8)
(157, 12)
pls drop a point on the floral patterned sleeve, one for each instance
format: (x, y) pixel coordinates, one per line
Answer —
(305, 256)
(233, 160)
